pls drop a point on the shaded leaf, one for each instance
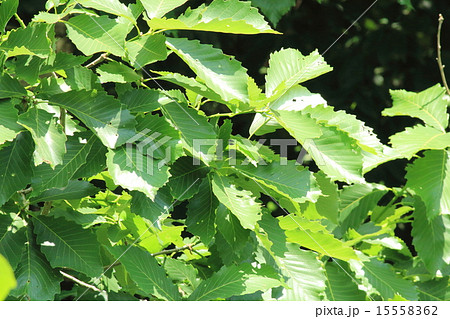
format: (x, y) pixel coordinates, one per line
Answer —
(340, 284)
(32, 40)
(74, 190)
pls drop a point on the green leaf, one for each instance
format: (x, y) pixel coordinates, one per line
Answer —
(417, 138)
(10, 87)
(87, 35)
(289, 67)
(303, 284)
(7, 10)
(230, 228)
(131, 168)
(6, 276)
(101, 113)
(333, 151)
(233, 281)
(66, 244)
(45, 177)
(141, 100)
(240, 202)
(147, 49)
(274, 10)
(12, 240)
(434, 168)
(195, 130)
(8, 127)
(27, 68)
(201, 212)
(36, 279)
(146, 272)
(340, 284)
(158, 8)
(355, 203)
(116, 72)
(312, 235)
(74, 190)
(231, 16)
(434, 290)
(327, 205)
(110, 6)
(32, 40)
(152, 210)
(221, 73)
(431, 238)
(185, 180)
(181, 271)
(383, 278)
(15, 171)
(288, 179)
(429, 105)
(270, 226)
(81, 78)
(62, 61)
(48, 136)
(95, 161)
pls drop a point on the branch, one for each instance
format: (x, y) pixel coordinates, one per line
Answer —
(102, 57)
(22, 24)
(81, 283)
(439, 57)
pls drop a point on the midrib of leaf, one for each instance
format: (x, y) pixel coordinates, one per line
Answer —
(143, 47)
(356, 201)
(422, 108)
(69, 162)
(70, 247)
(330, 286)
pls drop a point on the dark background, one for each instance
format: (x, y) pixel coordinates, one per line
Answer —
(390, 47)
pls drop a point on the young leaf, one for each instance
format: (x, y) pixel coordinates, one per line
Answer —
(221, 73)
(434, 168)
(431, 238)
(429, 105)
(146, 272)
(201, 212)
(101, 113)
(48, 137)
(417, 138)
(147, 49)
(289, 67)
(15, 171)
(240, 202)
(36, 279)
(66, 244)
(97, 34)
(304, 284)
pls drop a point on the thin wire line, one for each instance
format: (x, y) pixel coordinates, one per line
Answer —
(309, 235)
(137, 239)
(139, 66)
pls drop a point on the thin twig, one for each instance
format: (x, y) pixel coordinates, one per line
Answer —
(439, 57)
(162, 252)
(81, 283)
(22, 24)
(102, 57)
